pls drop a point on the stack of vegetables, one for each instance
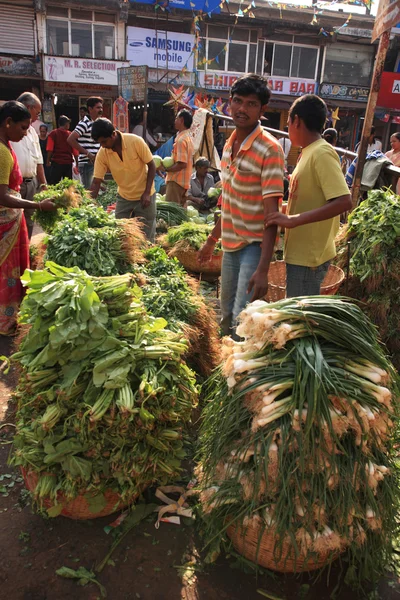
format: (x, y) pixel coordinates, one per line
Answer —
(66, 194)
(374, 234)
(171, 294)
(188, 237)
(95, 241)
(297, 436)
(108, 197)
(169, 214)
(104, 394)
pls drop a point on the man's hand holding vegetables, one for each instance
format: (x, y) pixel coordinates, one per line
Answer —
(252, 169)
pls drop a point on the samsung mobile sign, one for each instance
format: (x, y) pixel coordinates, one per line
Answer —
(160, 49)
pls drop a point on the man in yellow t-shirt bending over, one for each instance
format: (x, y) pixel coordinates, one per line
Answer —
(128, 158)
(318, 195)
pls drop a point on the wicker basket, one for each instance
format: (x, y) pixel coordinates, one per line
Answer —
(277, 281)
(189, 259)
(260, 550)
(79, 507)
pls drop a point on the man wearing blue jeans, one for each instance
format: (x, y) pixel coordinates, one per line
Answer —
(252, 170)
(318, 195)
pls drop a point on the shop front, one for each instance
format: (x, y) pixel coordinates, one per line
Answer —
(68, 82)
(351, 100)
(19, 74)
(389, 103)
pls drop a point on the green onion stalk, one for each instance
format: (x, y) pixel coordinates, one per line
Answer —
(297, 434)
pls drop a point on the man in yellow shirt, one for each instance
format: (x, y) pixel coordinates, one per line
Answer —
(129, 160)
(318, 195)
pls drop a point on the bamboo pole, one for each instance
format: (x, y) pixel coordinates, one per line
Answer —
(369, 113)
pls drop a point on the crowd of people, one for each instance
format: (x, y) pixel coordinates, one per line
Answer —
(253, 179)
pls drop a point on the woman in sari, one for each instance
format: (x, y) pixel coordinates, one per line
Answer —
(394, 155)
(14, 242)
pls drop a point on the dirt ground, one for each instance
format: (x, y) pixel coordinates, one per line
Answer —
(148, 564)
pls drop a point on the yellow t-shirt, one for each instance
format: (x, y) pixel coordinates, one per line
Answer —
(316, 179)
(130, 173)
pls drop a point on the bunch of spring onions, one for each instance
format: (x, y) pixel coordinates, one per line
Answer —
(297, 433)
(103, 395)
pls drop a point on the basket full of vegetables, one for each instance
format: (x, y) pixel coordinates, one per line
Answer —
(297, 460)
(184, 243)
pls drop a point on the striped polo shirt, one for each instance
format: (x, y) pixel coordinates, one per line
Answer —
(84, 130)
(182, 151)
(255, 174)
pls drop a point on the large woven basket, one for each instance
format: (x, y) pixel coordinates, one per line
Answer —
(189, 259)
(277, 281)
(79, 507)
(261, 550)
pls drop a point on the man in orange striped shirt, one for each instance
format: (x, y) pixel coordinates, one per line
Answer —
(252, 170)
(178, 176)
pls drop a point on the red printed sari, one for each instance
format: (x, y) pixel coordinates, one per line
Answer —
(14, 255)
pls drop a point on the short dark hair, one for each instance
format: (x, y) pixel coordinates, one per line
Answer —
(252, 84)
(330, 135)
(43, 125)
(372, 130)
(202, 162)
(63, 120)
(14, 110)
(311, 110)
(102, 128)
(91, 102)
(186, 116)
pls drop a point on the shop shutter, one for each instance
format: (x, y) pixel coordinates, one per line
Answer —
(17, 29)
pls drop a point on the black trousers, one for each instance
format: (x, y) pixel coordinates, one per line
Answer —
(58, 172)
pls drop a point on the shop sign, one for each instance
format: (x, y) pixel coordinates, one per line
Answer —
(389, 92)
(214, 80)
(132, 83)
(356, 32)
(160, 49)
(82, 70)
(205, 6)
(78, 89)
(19, 66)
(333, 91)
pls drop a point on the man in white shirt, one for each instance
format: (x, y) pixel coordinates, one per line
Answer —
(29, 156)
(286, 145)
(373, 143)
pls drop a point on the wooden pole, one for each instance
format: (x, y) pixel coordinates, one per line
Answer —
(369, 113)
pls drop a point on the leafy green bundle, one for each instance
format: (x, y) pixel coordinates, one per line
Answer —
(103, 395)
(168, 293)
(189, 236)
(171, 213)
(109, 196)
(297, 435)
(66, 194)
(90, 239)
(374, 234)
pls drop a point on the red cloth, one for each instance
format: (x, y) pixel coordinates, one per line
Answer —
(16, 178)
(63, 154)
(14, 256)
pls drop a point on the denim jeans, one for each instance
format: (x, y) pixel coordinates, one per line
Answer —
(305, 281)
(237, 270)
(86, 173)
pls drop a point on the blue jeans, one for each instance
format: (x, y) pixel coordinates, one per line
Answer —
(237, 270)
(305, 281)
(86, 173)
